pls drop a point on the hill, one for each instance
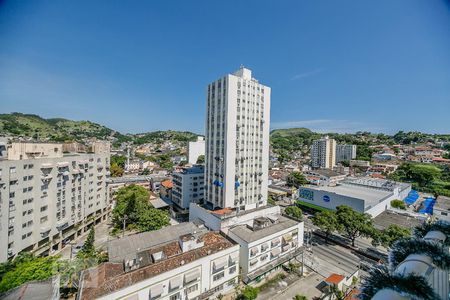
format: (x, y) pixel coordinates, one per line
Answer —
(57, 129)
(60, 130)
(292, 139)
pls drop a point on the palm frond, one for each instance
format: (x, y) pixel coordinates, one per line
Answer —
(404, 247)
(413, 285)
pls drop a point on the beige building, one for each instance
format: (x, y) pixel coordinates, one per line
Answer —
(323, 153)
(48, 197)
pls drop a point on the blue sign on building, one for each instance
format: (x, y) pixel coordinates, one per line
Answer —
(326, 198)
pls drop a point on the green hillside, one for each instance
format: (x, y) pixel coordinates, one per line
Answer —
(292, 139)
(27, 125)
(161, 136)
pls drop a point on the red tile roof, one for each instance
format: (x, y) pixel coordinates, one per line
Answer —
(335, 278)
(168, 184)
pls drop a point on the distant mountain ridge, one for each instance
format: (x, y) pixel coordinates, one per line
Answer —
(30, 126)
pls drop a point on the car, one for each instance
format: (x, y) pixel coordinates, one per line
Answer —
(77, 248)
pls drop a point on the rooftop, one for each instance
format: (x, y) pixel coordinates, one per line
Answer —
(168, 184)
(274, 224)
(34, 290)
(127, 247)
(442, 203)
(325, 172)
(110, 277)
(370, 196)
(387, 218)
(334, 278)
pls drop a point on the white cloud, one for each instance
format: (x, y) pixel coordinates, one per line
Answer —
(307, 74)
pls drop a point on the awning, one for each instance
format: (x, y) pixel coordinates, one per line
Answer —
(75, 171)
(234, 257)
(176, 282)
(66, 173)
(264, 247)
(287, 238)
(275, 241)
(46, 166)
(220, 263)
(192, 276)
(286, 248)
(275, 252)
(63, 164)
(156, 290)
(254, 251)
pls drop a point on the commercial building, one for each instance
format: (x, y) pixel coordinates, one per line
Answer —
(323, 153)
(48, 197)
(368, 195)
(183, 261)
(266, 244)
(188, 187)
(345, 152)
(237, 141)
(195, 149)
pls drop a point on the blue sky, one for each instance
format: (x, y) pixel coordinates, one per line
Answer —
(138, 66)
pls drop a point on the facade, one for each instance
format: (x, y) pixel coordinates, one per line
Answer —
(183, 261)
(372, 196)
(266, 244)
(323, 153)
(195, 149)
(345, 152)
(188, 187)
(237, 141)
(48, 197)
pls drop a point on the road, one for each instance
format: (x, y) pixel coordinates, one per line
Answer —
(101, 239)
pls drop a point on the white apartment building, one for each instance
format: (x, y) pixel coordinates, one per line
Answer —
(195, 149)
(182, 261)
(266, 244)
(188, 187)
(345, 152)
(48, 197)
(237, 141)
(323, 153)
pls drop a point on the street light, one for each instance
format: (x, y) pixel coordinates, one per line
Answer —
(125, 218)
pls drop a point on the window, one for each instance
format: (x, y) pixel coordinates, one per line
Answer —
(44, 219)
(192, 288)
(218, 276)
(176, 296)
(12, 170)
(232, 270)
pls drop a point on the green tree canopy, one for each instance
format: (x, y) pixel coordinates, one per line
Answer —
(389, 236)
(248, 293)
(326, 221)
(294, 212)
(352, 223)
(116, 170)
(201, 159)
(296, 179)
(398, 204)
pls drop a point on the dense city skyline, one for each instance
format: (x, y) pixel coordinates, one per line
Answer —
(134, 68)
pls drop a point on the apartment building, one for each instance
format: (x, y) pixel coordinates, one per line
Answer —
(188, 187)
(237, 141)
(266, 244)
(48, 197)
(323, 153)
(195, 149)
(183, 261)
(345, 152)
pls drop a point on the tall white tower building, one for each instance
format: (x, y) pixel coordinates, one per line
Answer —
(237, 141)
(323, 153)
(345, 152)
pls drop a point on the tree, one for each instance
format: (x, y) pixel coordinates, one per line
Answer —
(398, 204)
(389, 236)
(296, 179)
(152, 219)
(271, 200)
(299, 297)
(88, 248)
(116, 170)
(32, 268)
(248, 293)
(294, 212)
(327, 222)
(201, 159)
(352, 223)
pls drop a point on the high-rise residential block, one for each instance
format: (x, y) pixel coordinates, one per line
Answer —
(48, 197)
(323, 153)
(237, 141)
(345, 152)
